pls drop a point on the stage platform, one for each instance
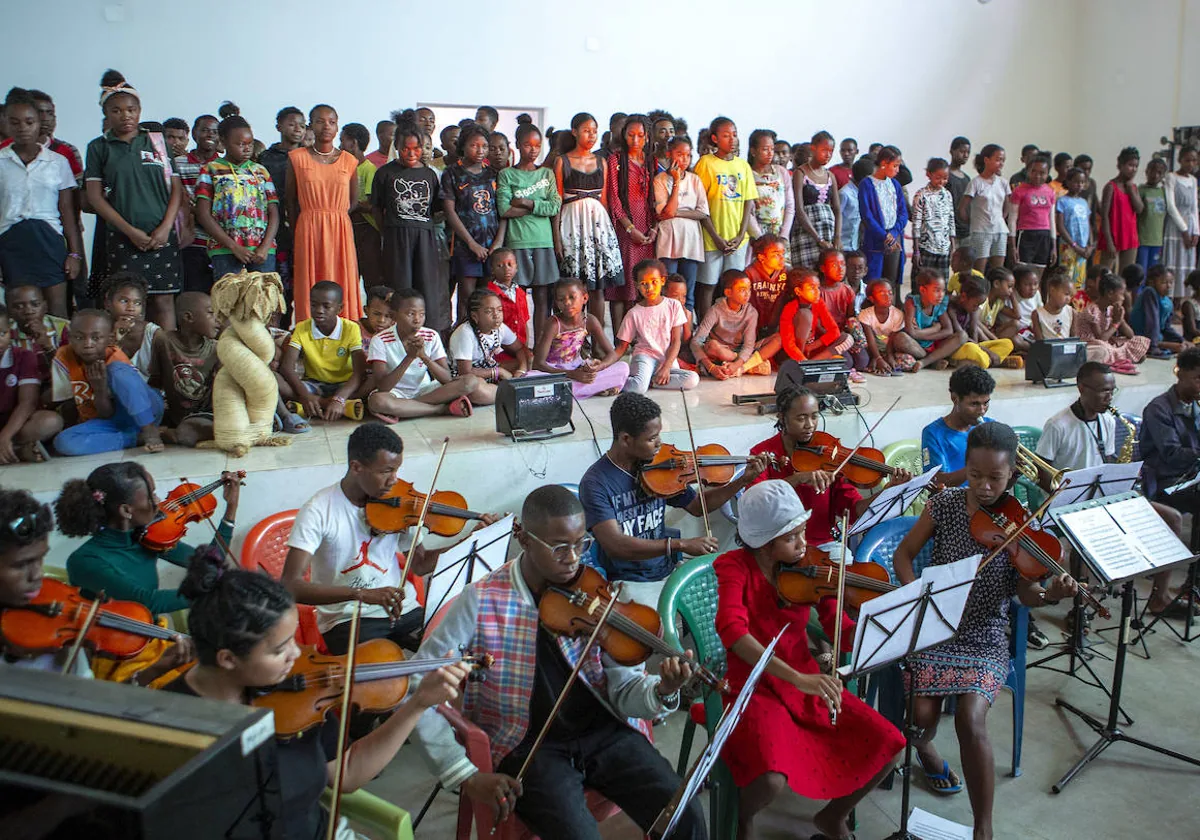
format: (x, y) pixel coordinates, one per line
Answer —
(495, 474)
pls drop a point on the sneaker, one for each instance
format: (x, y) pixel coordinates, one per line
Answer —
(1037, 640)
(856, 377)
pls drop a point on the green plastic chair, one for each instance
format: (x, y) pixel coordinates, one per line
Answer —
(689, 603)
(1028, 493)
(378, 817)
(906, 454)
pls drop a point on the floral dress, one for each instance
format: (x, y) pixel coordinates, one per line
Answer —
(1091, 322)
(639, 210)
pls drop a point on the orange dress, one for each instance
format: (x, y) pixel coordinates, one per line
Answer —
(323, 248)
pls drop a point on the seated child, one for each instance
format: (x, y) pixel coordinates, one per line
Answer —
(806, 328)
(24, 427)
(962, 263)
(403, 357)
(1102, 325)
(768, 290)
(1135, 280)
(654, 328)
(856, 271)
(285, 419)
(1018, 311)
(676, 289)
(882, 323)
(724, 342)
(377, 314)
(35, 329)
(1055, 318)
(476, 343)
(1151, 314)
(560, 346)
(125, 299)
(1091, 287)
(503, 281)
(111, 403)
(981, 347)
(331, 348)
(930, 335)
(838, 297)
(185, 361)
(1190, 308)
(999, 284)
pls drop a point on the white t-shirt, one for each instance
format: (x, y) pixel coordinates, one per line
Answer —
(345, 553)
(680, 239)
(387, 347)
(987, 204)
(481, 349)
(141, 359)
(1072, 444)
(648, 328)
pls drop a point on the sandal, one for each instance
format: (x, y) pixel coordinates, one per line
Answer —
(353, 410)
(386, 419)
(460, 407)
(295, 407)
(950, 786)
(294, 424)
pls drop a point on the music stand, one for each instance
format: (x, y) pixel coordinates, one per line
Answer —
(1119, 538)
(1188, 593)
(481, 552)
(907, 620)
(891, 502)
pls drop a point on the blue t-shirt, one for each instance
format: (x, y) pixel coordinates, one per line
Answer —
(608, 492)
(1075, 218)
(944, 447)
(1145, 307)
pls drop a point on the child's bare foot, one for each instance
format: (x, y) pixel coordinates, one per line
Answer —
(941, 364)
(32, 453)
(830, 827)
(152, 439)
(916, 367)
(609, 392)
(168, 436)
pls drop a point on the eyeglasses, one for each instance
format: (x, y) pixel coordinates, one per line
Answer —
(23, 527)
(566, 551)
(1116, 389)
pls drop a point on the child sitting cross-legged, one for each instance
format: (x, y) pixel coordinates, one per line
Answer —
(125, 300)
(184, 363)
(35, 329)
(412, 378)
(476, 343)
(335, 373)
(1055, 318)
(806, 328)
(24, 427)
(1151, 313)
(1017, 315)
(724, 341)
(560, 346)
(654, 328)
(981, 347)
(882, 323)
(377, 314)
(930, 336)
(106, 402)
(1189, 309)
(1101, 323)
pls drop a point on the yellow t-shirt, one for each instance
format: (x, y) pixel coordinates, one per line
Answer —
(729, 185)
(327, 358)
(954, 284)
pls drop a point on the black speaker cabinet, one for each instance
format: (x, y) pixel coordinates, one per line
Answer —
(828, 379)
(1055, 361)
(535, 407)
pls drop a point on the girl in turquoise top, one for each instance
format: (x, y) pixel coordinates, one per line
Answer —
(930, 335)
(113, 507)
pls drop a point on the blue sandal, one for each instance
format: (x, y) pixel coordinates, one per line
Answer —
(944, 776)
(294, 424)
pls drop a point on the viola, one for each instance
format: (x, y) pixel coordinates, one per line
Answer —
(314, 687)
(865, 468)
(673, 470)
(632, 633)
(57, 615)
(400, 508)
(816, 576)
(184, 505)
(1034, 553)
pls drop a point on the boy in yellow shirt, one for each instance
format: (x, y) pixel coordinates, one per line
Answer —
(335, 369)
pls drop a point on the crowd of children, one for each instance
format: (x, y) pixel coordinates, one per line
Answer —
(713, 265)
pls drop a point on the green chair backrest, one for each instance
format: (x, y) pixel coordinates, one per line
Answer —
(691, 593)
(1028, 436)
(906, 454)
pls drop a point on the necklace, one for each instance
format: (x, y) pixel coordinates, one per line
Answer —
(333, 151)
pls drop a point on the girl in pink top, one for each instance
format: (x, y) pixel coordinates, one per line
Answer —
(1031, 229)
(1119, 209)
(882, 323)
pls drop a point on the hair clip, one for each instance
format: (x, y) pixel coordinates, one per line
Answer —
(98, 495)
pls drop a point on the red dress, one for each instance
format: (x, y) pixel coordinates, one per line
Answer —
(826, 507)
(640, 211)
(784, 730)
(1122, 220)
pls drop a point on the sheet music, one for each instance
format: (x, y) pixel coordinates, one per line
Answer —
(951, 586)
(891, 502)
(1094, 483)
(1159, 543)
(929, 826)
(481, 552)
(1112, 552)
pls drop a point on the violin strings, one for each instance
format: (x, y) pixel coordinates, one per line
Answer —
(334, 674)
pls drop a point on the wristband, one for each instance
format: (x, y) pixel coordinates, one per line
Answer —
(341, 400)
(228, 521)
(75, 256)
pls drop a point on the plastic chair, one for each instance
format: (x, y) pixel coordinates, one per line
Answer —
(690, 596)
(266, 548)
(906, 454)
(367, 811)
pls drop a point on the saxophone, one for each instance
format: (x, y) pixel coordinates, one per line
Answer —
(1126, 453)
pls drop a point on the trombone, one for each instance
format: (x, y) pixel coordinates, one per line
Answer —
(1033, 467)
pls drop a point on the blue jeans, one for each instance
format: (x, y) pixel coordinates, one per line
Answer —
(688, 269)
(1148, 255)
(136, 405)
(223, 264)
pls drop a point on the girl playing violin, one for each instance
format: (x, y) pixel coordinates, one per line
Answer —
(244, 627)
(785, 736)
(974, 665)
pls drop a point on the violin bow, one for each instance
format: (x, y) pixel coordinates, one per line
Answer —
(837, 626)
(1024, 526)
(89, 621)
(696, 465)
(416, 540)
(217, 538)
(343, 740)
(863, 439)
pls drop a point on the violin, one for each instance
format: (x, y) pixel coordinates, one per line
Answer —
(673, 470)
(816, 576)
(314, 688)
(400, 508)
(865, 467)
(631, 634)
(59, 613)
(184, 505)
(1034, 553)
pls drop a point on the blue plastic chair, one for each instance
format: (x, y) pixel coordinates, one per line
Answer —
(878, 546)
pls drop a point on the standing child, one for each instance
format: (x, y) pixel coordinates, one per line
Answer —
(1073, 220)
(729, 184)
(368, 247)
(1190, 308)
(1055, 318)
(838, 297)
(682, 208)
(983, 203)
(237, 206)
(1151, 313)
(654, 328)
(884, 210)
(185, 361)
(335, 373)
(586, 241)
(843, 172)
(197, 273)
(499, 155)
(933, 220)
(1181, 232)
(125, 301)
(1101, 323)
(724, 342)
(1119, 208)
(960, 153)
(468, 195)
(560, 346)
(477, 341)
(527, 196)
(930, 335)
(981, 346)
(1063, 164)
(806, 328)
(1153, 216)
(24, 427)
(882, 324)
(631, 205)
(819, 225)
(35, 329)
(775, 207)
(289, 122)
(111, 402)
(1031, 217)
(503, 281)
(848, 200)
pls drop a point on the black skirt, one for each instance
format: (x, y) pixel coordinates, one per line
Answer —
(162, 268)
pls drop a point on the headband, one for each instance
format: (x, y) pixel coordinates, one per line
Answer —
(107, 92)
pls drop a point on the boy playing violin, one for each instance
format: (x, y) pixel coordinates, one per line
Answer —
(596, 741)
